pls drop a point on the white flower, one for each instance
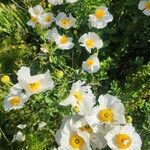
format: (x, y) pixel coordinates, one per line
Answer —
(100, 18)
(55, 2)
(16, 99)
(22, 126)
(80, 97)
(65, 22)
(69, 137)
(92, 64)
(46, 19)
(71, 1)
(62, 41)
(51, 34)
(144, 5)
(34, 84)
(97, 139)
(41, 125)
(35, 12)
(123, 138)
(20, 137)
(32, 22)
(109, 113)
(90, 40)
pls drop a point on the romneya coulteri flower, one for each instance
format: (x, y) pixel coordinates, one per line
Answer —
(100, 18)
(90, 41)
(80, 97)
(123, 138)
(145, 7)
(107, 114)
(35, 12)
(69, 137)
(34, 84)
(62, 41)
(16, 98)
(92, 64)
(64, 21)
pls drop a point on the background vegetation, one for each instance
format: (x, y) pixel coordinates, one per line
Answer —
(125, 67)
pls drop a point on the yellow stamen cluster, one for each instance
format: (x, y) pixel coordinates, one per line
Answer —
(34, 86)
(123, 141)
(90, 62)
(76, 141)
(34, 19)
(90, 43)
(99, 13)
(105, 115)
(15, 101)
(65, 22)
(78, 95)
(87, 128)
(147, 6)
(64, 39)
(47, 18)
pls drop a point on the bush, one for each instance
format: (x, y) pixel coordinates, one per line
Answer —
(124, 72)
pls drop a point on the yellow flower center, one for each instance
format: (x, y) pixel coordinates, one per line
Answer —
(89, 62)
(76, 141)
(99, 13)
(147, 6)
(87, 128)
(105, 115)
(34, 86)
(123, 141)
(66, 22)
(90, 43)
(47, 18)
(78, 95)
(64, 39)
(15, 101)
(34, 19)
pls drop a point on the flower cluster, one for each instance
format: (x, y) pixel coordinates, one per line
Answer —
(90, 41)
(27, 85)
(96, 123)
(95, 126)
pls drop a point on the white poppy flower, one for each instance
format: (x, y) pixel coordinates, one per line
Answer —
(34, 84)
(80, 97)
(20, 137)
(62, 41)
(32, 22)
(16, 99)
(65, 22)
(90, 41)
(55, 2)
(123, 138)
(69, 137)
(41, 125)
(51, 34)
(100, 18)
(109, 113)
(35, 12)
(71, 1)
(144, 5)
(92, 64)
(22, 126)
(46, 19)
(96, 139)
